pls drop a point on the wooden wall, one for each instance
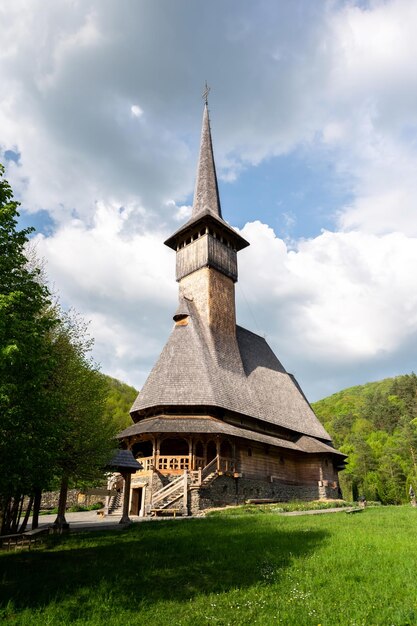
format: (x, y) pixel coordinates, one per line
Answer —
(205, 251)
(286, 466)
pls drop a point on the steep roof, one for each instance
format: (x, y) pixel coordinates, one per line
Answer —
(206, 204)
(206, 193)
(239, 374)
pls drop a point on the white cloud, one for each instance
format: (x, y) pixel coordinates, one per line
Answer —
(340, 299)
(136, 111)
(123, 282)
(336, 79)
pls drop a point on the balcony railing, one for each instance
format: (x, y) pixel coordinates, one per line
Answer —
(171, 462)
(174, 463)
(227, 464)
(147, 463)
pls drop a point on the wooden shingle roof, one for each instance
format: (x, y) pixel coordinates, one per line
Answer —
(239, 374)
(124, 461)
(206, 203)
(210, 425)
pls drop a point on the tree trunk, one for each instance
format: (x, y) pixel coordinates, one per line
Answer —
(36, 507)
(19, 513)
(14, 510)
(60, 522)
(26, 518)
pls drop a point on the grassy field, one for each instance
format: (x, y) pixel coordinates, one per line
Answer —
(249, 569)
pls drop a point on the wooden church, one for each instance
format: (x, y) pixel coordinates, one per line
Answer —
(219, 421)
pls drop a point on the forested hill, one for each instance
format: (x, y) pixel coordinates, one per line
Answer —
(118, 403)
(376, 426)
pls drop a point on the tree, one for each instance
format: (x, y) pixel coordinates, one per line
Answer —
(376, 425)
(52, 396)
(86, 435)
(26, 363)
(120, 398)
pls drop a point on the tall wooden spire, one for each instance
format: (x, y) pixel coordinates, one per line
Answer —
(206, 194)
(206, 240)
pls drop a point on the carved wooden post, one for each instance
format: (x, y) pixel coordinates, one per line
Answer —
(218, 452)
(190, 454)
(156, 453)
(185, 494)
(234, 468)
(126, 496)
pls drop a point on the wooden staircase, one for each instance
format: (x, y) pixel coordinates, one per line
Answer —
(205, 476)
(116, 504)
(172, 499)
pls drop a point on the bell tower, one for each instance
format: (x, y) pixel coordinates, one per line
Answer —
(206, 247)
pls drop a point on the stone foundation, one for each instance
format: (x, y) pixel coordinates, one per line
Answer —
(226, 490)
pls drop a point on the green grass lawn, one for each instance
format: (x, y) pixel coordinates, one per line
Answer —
(248, 569)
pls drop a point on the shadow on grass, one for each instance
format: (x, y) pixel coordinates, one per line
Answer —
(153, 562)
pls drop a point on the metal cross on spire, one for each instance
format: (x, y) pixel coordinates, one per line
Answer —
(206, 93)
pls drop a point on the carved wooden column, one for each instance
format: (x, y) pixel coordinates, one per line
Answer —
(156, 452)
(218, 452)
(190, 454)
(126, 496)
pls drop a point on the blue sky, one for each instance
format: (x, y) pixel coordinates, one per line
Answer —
(314, 120)
(295, 194)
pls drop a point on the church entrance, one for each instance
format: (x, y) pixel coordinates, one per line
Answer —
(136, 502)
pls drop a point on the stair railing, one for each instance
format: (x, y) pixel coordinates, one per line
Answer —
(168, 490)
(207, 470)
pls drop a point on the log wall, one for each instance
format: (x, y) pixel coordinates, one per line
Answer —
(206, 251)
(256, 463)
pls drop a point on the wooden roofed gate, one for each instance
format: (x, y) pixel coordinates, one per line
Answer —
(219, 420)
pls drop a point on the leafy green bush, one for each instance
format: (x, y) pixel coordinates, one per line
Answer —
(79, 508)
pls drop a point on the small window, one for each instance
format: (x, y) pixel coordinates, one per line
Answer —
(249, 451)
(282, 460)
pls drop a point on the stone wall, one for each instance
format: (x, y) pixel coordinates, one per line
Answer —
(226, 490)
(75, 496)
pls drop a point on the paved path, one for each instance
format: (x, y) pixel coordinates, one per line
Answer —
(89, 520)
(339, 509)
(86, 520)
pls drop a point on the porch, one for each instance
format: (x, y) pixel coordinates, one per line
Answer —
(170, 454)
(172, 464)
